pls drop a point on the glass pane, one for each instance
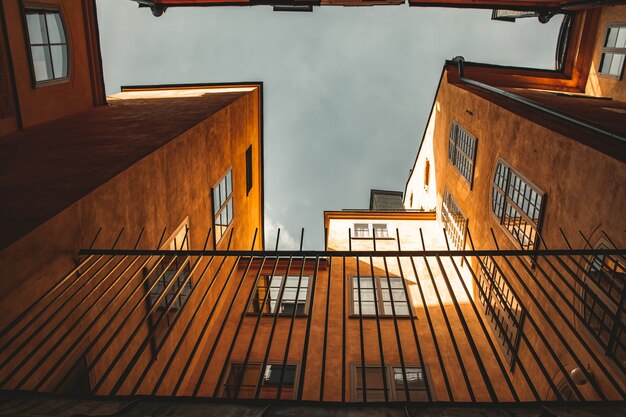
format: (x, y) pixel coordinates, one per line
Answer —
(55, 27)
(611, 37)
(274, 373)
(36, 23)
(621, 38)
(59, 60)
(229, 182)
(605, 63)
(42, 63)
(616, 65)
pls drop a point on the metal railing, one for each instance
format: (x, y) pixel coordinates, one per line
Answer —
(333, 326)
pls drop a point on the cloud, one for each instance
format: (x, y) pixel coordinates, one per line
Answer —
(286, 240)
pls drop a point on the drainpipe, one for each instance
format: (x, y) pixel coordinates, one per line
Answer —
(534, 105)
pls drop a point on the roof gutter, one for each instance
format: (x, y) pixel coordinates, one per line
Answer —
(534, 105)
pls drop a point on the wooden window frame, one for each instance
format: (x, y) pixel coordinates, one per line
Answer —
(612, 50)
(307, 303)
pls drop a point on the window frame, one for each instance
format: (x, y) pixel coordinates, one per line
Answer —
(392, 388)
(612, 50)
(458, 238)
(455, 127)
(610, 306)
(228, 199)
(505, 193)
(46, 7)
(490, 278)
(370, 231)
(294, 387)
(307, 302)
(380, 307)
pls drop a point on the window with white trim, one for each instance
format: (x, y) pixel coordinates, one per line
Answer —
(462, 151)
(223, 205)
(518, 205)
(613, 51)
(268, 299)
(413, 379)
(47, 44)
(370, 295)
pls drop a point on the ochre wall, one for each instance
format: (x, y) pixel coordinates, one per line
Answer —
(45, 102)
(157, 191)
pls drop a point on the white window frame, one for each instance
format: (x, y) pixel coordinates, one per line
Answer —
(222, 205)
(614, 50)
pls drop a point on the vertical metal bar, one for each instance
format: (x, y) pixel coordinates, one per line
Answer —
(301, 239)
(122, 378)
(199, 259)
(256, 327)
(568, 324)
(224, 321)
(432, 332)
(468, 335)
(277, 238)
(378, 305)
(305, 347)
(222, 373)
(326, 315)
(196, 346)
(397, 331)
(343, 332)
(291, 322)
(534, 324)
(358, 282)
(448, 326)
(412, 314)
(529, 345)
(39, 329)
(279, 299)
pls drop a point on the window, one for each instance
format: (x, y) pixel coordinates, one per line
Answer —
(266, 298)
(454, 222)
(222, 205)
(242, 383)
(602, 292)
(366, 230)
(248, 169)
(375, 294)
(47, 44)
(380, 230)
(462, 151)
(395, 378)
(505, 313)
(177, 268)
(517, 204)
(613, 51)
(361, 230)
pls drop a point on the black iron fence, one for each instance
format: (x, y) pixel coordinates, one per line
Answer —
(365, 326)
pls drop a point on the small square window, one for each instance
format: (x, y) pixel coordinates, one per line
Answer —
(380, 230)
(613, 51)
(361, 230)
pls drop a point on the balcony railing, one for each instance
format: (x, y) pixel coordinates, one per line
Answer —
(333, 326)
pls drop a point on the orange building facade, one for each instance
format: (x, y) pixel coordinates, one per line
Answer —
(133, 260)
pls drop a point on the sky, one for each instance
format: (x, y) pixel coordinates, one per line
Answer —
(347, 90)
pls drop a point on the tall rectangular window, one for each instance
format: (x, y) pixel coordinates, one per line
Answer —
(169, 285)
(248, 169)
(454, 222)
(613, 51)
(518, 205)
(413, 378)
(602, 294)
(462, 151)
(502, 308)
(267, 298)
(47, 44)
(242, 383)
(370, 295)
(223, 205)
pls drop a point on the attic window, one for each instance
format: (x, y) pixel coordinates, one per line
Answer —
(47, 44)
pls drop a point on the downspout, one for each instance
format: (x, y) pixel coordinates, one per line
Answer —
(534, 105)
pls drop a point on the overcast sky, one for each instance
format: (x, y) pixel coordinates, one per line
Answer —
(347, 90)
